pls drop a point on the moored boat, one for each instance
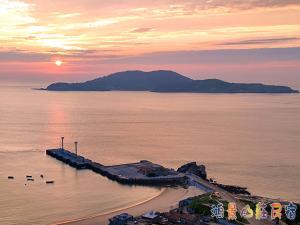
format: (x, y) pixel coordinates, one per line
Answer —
(50, 182)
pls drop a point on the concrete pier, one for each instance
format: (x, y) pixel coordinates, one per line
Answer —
(141, 173)
(69, 158)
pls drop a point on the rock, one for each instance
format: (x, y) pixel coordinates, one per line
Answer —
(192, 167)
(234, 189)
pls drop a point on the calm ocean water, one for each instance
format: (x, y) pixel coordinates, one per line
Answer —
(245, 139)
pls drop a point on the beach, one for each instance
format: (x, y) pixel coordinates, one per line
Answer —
(166, 200)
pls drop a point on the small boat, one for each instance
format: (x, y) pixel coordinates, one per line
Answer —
(11, 177)
(42, 176)
(30, 179)
(50, 182)
(28, 176)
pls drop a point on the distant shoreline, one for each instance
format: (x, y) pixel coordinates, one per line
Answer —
(164, 92)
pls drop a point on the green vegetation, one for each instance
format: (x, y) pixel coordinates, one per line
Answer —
(250, 203)
(205, 199)
(202, 206)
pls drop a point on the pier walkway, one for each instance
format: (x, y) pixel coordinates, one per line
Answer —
(142, 173)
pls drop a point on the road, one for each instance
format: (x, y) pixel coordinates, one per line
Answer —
(228, 197)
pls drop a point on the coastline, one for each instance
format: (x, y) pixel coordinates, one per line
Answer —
(166, 200)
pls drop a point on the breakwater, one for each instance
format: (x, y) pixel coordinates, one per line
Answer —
(140, 173)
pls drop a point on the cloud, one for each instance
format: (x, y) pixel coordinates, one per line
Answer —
(235, 4)
(265, 3)
(103, 22)
(68, 15)
(204, 57)
(14, 13)
(127, 26)
(180, 8)
(261, 41)
(211, 57)
(21, 56)
(142, 30)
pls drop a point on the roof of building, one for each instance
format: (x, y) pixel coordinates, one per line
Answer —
(151, 215)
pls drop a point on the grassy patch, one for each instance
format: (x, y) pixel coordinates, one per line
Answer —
(250, 203)
(202, 206)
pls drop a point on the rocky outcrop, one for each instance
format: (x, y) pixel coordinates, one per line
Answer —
(233, 189)
(192, 167)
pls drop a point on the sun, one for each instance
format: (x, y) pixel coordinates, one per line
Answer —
(58, 62)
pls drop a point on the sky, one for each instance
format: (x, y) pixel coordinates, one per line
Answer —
(233, 40)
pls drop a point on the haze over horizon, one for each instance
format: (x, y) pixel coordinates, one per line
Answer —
(238, 41)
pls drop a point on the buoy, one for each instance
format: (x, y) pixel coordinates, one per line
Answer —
(49, 181)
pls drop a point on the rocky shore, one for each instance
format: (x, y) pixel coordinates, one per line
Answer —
(234, 189)
(196, 210)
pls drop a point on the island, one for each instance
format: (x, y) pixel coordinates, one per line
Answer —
(165, 81)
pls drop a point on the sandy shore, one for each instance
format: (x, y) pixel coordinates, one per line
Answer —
(167, 200)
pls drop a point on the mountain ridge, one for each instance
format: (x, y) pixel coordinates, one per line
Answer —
(165, 81)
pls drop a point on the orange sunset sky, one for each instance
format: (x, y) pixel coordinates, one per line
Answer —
(235, 40)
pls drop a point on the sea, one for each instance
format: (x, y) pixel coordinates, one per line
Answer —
(250, 140)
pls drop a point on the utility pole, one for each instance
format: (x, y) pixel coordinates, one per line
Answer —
(76, 142)
(62, 143)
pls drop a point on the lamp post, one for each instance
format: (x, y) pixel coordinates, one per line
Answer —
(62, 143)
(76, 142)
